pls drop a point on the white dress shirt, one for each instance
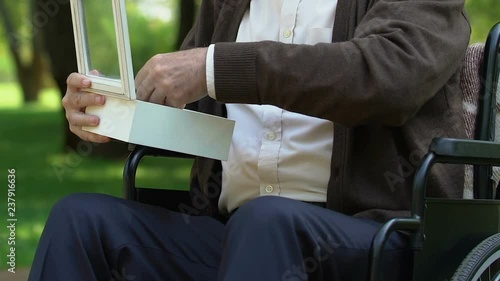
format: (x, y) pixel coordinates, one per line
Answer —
(274, 151)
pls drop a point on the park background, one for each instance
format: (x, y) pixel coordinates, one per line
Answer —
(36, 55)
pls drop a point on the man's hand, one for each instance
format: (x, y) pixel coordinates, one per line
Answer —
(174, 79)
(75, 101)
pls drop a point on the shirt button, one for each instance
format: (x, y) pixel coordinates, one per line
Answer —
(269, 188)
(271, 136)
(287, 33)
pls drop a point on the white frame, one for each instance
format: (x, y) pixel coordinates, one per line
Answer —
(123, 88)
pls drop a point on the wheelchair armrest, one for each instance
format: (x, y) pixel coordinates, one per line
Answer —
(441, 150)
(460, 151)
(453, 151)
(133, 160)
(484, 154)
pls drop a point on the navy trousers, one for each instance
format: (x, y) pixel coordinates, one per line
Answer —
(98, 237)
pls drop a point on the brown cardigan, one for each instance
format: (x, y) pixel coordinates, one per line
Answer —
(389, 82)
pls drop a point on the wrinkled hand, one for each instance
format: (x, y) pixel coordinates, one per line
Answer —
(173, 79)
(75, 101)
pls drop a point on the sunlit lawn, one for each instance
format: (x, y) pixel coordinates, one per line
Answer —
(31, 142)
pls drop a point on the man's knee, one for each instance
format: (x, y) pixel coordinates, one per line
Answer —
(82, 206)
(267, 211)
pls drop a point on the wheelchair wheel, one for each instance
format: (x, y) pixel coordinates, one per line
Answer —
(482, 263)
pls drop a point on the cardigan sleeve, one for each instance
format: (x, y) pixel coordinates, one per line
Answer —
(402, 53)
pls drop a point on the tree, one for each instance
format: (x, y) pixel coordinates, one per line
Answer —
(25, 44)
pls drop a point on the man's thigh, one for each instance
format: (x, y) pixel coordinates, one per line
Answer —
(166, 245)
(99, 237)
(314, 243)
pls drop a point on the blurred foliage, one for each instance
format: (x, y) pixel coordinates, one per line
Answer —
(483, 14)
(6, 63)
(152, 27)
(101, 38)
(19, 14)
(19, 11)
(148, 21)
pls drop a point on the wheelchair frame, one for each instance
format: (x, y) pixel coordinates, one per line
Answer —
(437, 218)
(450, 228)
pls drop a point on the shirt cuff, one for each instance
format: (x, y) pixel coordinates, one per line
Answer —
(210, 72)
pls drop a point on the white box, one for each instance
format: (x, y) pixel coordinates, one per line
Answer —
(163, 127)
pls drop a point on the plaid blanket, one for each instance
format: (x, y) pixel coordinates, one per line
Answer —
(471, 86)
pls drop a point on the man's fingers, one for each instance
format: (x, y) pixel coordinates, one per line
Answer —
(82, 99)
(88, 136)
(80, 119)
(145, 89)
(76, 101)
(95, 72)
(157, 97)
(91, 137)
(141, 75)
(79, 81)
(174, 103)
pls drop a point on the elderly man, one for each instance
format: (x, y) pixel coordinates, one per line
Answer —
(335, 101)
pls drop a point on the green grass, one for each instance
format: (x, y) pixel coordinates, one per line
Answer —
(31, 141)
(11, 98)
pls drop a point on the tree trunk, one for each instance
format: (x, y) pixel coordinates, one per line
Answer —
(30, 73)
(30, 79)
(30, 76)
(187, 16)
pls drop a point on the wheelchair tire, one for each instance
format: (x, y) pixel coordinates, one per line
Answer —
(482, 263)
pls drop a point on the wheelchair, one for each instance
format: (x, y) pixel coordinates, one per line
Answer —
(452, 239)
